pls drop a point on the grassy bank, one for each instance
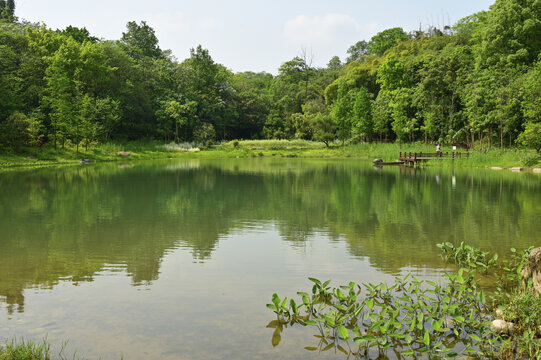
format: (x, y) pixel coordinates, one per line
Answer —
(21, 349)
(48, 156)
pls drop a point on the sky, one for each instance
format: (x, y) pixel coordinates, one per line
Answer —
(251, 35)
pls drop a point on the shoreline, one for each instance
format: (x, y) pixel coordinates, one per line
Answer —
(509, 159)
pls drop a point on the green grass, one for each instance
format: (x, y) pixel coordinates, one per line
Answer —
(25, 350)
(143, 150)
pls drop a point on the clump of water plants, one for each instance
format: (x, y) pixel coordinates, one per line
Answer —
(25, 350)
(420, 319)
(465, 255)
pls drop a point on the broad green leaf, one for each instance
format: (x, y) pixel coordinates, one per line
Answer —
(344, 333)
(369, 303)
(426, 338)
(293, 306)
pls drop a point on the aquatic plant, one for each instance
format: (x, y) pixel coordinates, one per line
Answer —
(465, 255)
(414, 318)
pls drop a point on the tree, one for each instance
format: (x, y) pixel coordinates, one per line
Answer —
(357, 51)
(19, 130)
(74, 79)
(107, 115)
(173, 111)
(7, 10)
(181, 114)
(341, 111)
(531, 137)
(303, 125)
(324, 128)
(275, 126)
(511, 35)
(205, 134)
(385, 40)
(363, 124)
(404, 123)
(140, 41)
(79, 34)
(253, 102)
(392, 74)
(531, 104)
(89, 126)
(334, 64)
(64, 92)
(382, 113)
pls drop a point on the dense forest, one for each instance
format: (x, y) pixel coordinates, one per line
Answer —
(477, 82)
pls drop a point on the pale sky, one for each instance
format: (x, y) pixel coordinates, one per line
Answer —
(251, 35)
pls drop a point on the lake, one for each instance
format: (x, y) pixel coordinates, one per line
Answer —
(177, 259)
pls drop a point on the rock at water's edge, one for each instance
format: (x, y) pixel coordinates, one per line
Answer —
(376, 161)
(533, 269)
(502, 326)
(123, 153)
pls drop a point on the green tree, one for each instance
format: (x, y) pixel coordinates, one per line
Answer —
(182, 115)
(531, 137)
(174, 112)
(7, 10)
(510, 37)
(324, 128)
(89, 128)
(404, 123)
(19, 130)
(385, 40)
(79, 34)
(357, 51)
(334, 64)
(362, 122)
(342, 113)
(140, 41)
(108, 114)
(74, 79)
(302, 125)
(253, 102)
(382, 114)
(205, 134)
(531, 104)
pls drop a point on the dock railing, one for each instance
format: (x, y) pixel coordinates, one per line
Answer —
(415, 156)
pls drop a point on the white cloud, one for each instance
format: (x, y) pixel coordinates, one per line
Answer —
(320, 30)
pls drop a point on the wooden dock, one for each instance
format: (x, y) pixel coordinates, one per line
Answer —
(413, 158)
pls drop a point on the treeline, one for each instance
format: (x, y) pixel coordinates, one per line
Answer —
(477, 82)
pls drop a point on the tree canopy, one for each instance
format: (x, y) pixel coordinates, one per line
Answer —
(476, 82)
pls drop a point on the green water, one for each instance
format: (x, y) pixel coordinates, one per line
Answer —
(176, 260)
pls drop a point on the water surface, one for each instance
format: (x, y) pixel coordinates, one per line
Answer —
(177, 259)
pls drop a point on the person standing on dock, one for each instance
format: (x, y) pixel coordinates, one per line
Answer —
(438, 150)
